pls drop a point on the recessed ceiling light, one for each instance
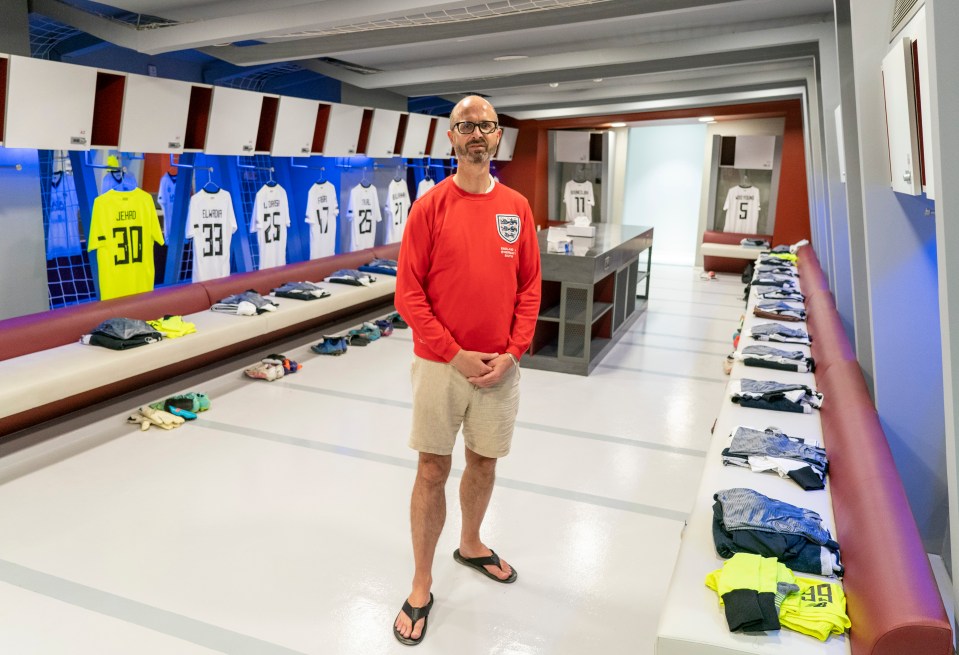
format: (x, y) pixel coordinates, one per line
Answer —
(617, 124)
(510, 57)
(553, 85)
(707, 119)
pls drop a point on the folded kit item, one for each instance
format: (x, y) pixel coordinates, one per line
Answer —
(754, 243)
(779, 396)
(818, 609)
(330, 346)
(780, 310)
(172, 327)
(793, 550)
(777, 269)
(266, 369)
(247, 303)
(301, 291)
(289, 366)
(386, 327)
(782, 294)
(774, 280)
(397, 321)
(774, 358)
(748, 509)
(122, 334)
(381, 266)
(752, 589)
(350, 276)
(780, 333)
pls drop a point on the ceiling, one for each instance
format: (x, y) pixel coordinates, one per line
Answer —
(563, 57)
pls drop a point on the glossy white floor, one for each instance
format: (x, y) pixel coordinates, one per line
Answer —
(277, 523)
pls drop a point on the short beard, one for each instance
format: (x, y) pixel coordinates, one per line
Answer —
(474, 157)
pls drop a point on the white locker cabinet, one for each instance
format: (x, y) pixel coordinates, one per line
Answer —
(507, 144)
(154, 115)
(49, 104)
(571, 146)
(755, 152)
(342, 130)
(382, 139)
(442, 148)
(295, 124)
(234, 122)
(901, 132)
(417, 134)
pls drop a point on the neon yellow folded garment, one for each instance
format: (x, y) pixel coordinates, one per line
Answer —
(819, 609)
(172, 326)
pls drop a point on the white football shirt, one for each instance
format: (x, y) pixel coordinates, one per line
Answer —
(63, 232)
(322, 208)
(271, 217)
(363, 213)
(165, 200)
(425, 185)
(211, 223)
(742, 210)
(578, 198)
(397, 209)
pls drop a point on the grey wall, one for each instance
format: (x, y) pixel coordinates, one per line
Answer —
(893, 264)
(23, 270)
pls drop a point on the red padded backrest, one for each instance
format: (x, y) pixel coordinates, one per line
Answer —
(812, 279)
(714, 236)
(57, 327)
(829, 341)
(388, 251)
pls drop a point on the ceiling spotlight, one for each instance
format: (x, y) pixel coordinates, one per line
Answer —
(510, 57)
(553, 85)
(707, 119)
(617, 124)
(597, 79)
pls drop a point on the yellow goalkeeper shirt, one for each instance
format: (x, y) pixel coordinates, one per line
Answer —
(123, 230)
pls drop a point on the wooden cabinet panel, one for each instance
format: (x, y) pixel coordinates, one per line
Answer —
(49, 105)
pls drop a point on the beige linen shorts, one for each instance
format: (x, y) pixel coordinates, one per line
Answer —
(444, 401)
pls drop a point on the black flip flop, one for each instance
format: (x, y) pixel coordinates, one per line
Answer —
(479, 563)
(415, 614)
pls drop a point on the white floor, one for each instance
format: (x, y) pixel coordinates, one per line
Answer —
(277, 523)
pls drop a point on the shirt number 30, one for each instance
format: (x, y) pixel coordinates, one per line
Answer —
(129, 245)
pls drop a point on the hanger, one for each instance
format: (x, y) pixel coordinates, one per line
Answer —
(365, 180)
(744, 181)
(210, 186)
(271, 182)
(322, 178)
(579, 175)
(398, 175)
(428, 176)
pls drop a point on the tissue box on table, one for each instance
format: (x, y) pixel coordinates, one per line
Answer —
(581, 227)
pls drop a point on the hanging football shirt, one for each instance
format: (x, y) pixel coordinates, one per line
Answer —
(123, 229)
(322, 209)
(165, 199)
(742, 210)
(118, 180)
(363, 213)
(271, 217)
(397, 209)
(63, 232)
(211, 224)
(578, 198)
(425, 185)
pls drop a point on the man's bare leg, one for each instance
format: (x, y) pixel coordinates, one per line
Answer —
(476, 488)
(427, 516)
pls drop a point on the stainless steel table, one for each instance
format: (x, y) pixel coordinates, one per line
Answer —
(590, 297)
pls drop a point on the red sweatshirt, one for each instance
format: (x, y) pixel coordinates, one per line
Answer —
(469, 272)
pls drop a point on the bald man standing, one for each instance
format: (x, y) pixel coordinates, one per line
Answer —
(468, 284)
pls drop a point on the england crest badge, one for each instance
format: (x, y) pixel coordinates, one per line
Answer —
(508, 227)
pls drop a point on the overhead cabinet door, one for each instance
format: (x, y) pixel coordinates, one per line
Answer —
(441, 142)
(342, 130)
(154, 115)
(295, 124)
(49, 105)
(383, 133)
(234, 122)
(417, 134)
(507, 144)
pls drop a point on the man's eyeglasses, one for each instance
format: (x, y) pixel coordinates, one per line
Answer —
(467, 127)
